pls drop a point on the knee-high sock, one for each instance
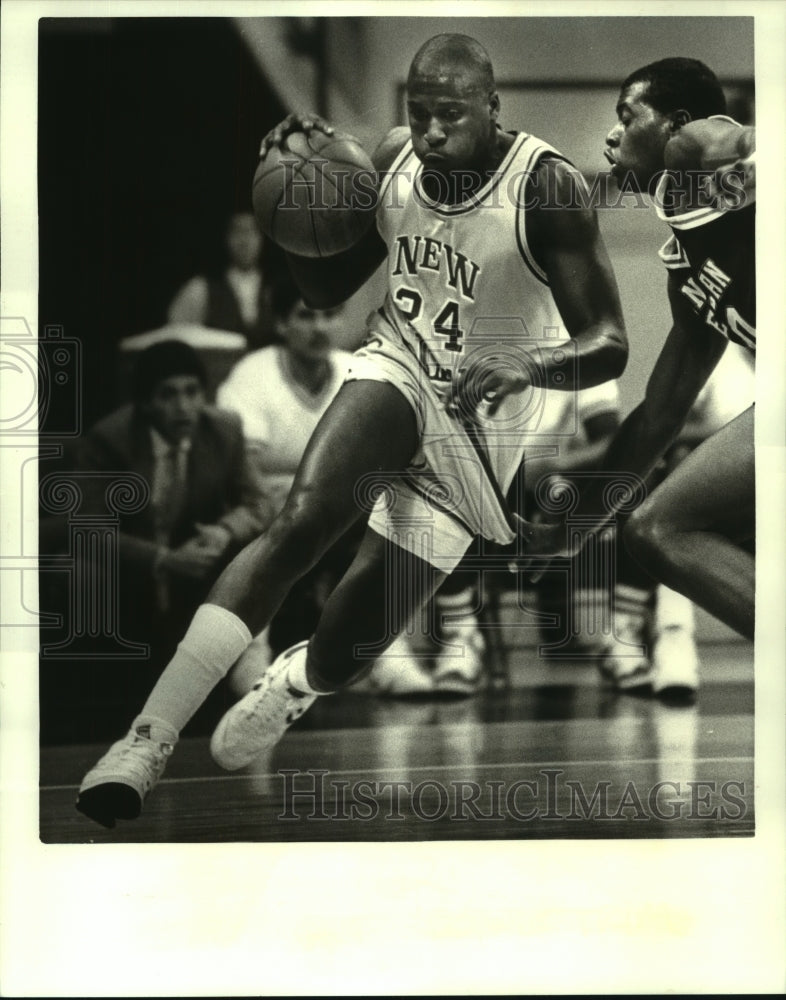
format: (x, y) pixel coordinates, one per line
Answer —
(215, 639)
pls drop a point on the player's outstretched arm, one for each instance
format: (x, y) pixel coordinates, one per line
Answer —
(563, 233)
(709, 143)
(688, 358)
(329, 281)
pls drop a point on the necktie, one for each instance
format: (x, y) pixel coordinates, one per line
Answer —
(170, 494)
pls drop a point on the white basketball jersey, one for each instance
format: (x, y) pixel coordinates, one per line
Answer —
(462, 278)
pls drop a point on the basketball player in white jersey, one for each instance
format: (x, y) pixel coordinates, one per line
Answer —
(488, 282)
(695, 532)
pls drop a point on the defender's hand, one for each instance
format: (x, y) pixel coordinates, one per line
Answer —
(733, 185)
(544, 541)
(546, 538)
(295, 122)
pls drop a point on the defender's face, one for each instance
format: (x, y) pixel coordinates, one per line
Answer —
(175, 406)
(635, 146)
(451, 121)
(310, 333)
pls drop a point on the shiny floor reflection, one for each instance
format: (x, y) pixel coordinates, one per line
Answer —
(555, 756)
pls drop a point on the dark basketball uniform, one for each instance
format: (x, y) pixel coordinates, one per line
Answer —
(712, 253)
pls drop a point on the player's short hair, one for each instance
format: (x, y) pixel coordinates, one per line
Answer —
(459, 49)
(680, 83)
(284, 293)
(164, 360)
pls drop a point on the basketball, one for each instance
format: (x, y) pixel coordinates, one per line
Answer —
(315, 195)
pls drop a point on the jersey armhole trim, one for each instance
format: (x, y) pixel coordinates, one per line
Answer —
(521, 235)
(401, 158)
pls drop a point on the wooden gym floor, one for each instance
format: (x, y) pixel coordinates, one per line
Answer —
(555, 755)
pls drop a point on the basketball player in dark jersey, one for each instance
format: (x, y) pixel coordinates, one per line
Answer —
(695, 532)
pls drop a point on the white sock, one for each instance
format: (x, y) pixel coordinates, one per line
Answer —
(214, 640)
(456, 612)
(673, 610)
(631, 600)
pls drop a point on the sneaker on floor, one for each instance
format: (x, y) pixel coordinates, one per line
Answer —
(119, 783)
(459, 669)
(675, 664)
(624, 662)
(399, 673)
(259, 720)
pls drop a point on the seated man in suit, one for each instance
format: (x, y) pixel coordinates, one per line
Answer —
(203, 507)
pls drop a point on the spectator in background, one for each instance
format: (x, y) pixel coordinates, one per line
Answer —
(280, 392)
(238, 299)
(202, 507)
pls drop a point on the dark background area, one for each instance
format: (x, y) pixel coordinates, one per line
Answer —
(148, 134)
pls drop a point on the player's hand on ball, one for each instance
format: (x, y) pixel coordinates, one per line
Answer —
(314, 192)
(295, 122)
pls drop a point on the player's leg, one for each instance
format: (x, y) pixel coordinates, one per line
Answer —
(369, 428)
(352, 440)
(690, 532)
(377, 597)
(383, 588)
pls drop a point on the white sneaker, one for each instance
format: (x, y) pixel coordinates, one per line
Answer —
(624, 662)
(119, 783)
(460, 671)
(675, 664)
(258, 721)
(399, 672)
